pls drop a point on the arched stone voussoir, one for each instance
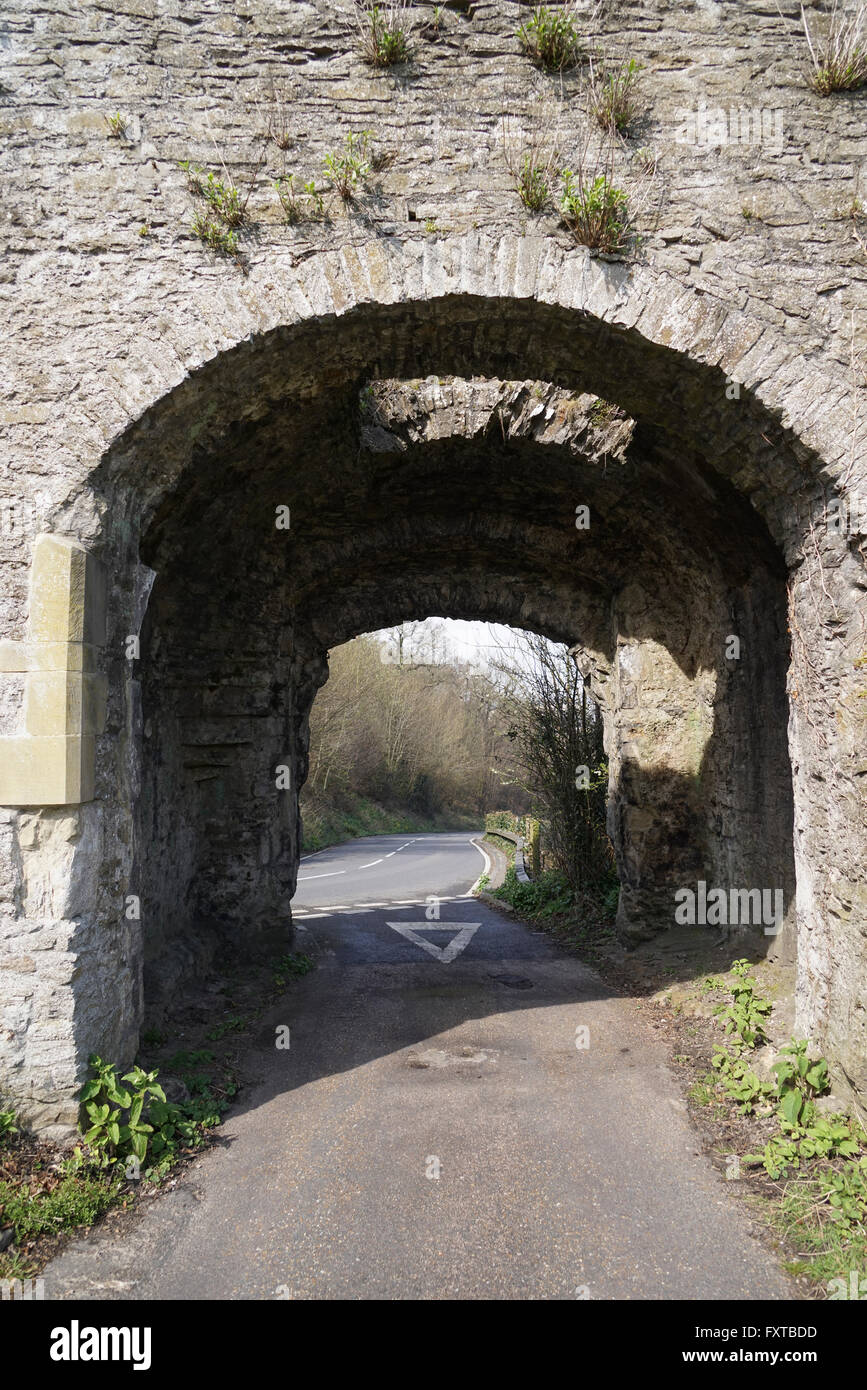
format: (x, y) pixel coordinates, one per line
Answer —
(689, 343)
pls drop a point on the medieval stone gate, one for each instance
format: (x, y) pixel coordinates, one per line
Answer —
(164, 637)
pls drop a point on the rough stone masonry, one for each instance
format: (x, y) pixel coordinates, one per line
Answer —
(433, 381)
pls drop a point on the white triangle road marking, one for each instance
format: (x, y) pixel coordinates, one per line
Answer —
(446, 954)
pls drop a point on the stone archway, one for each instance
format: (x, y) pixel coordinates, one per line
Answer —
(248, 401)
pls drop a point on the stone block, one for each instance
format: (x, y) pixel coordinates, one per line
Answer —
(46, 771)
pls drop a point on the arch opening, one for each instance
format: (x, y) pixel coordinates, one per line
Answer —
(457, 496)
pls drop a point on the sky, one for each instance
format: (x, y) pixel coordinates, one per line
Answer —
(468, 641)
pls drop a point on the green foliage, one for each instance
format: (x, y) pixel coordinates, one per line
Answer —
(153, 1037)
(595, 211)
(224, 199)
(345, 169)
(798, 1080)
(233, 1023)
(745, 1016)
(829, 1136)
(550, 38)
(78, 1200)
(533, 183)
(134, 1121)
(702, 1092)
(545, 896)
(845, 1191)
(7, 1124)
(182, 1061)
(602, 412)
(116, 126)
(385, 38)
(299, 207)
(291, 967)
(739, 1081)
(612, 96)
(611, 898)
(214, 235)
(116, 1128)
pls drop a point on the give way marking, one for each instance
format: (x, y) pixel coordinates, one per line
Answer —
(446, 954)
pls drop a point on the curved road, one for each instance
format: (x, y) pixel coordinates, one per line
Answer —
(385, 868)
(464, 1112)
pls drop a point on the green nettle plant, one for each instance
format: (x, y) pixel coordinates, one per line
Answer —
(799, 1080)
(550, 38)
(129, 1120)
(7, 1124)
(803, 1133)
(845, 1193)
(745, 1016)
(740, 1081)
(117, 1129)
(596, 211)
(345, 169)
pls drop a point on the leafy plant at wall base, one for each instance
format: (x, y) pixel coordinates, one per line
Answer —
(739, 1081)
(798, 1080)
(845, 1192)
(745, 1017)
(291, 967)
(112, 1135)
(135, 1121)
(831, 1137)
(7, 1124)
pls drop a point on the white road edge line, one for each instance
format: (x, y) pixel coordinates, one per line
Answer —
(371, 864)
(333, 874)
(486, 870)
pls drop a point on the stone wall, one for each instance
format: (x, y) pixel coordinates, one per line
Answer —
(161, 401)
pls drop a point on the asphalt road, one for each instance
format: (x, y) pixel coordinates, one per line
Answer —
(438, 1128)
